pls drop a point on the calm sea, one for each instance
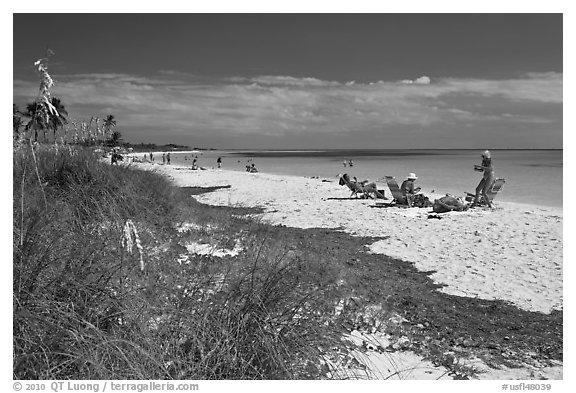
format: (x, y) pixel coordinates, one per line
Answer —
(532, 176)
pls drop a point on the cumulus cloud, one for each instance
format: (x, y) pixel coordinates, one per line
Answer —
(423, 80)
(288, 106)
(290, 81)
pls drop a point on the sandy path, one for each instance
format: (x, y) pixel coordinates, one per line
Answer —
(512, 253)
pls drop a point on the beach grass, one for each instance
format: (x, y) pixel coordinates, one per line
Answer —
(85, 309)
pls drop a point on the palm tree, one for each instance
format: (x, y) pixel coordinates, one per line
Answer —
(115, 139)
(42, 117)
(17, 120)
(17, 123)
(38, 114)
(58, 120)
(109, 123)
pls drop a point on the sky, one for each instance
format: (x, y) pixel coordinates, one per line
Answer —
(304, 81)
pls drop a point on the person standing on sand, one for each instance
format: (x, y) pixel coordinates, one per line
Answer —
(219, 162)
(163, 158)
(487, 179)
(151, 157)
(168, 158)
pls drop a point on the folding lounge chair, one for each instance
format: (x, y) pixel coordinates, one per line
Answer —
(397, 196)
(496, 186)
(353, 186)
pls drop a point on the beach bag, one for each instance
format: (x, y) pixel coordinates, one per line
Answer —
(421, 200)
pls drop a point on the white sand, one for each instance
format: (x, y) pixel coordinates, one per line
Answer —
(513, 252)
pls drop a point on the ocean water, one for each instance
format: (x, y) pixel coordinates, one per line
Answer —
(532, 176)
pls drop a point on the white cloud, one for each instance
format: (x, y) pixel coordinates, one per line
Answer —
(284, 105)
(287, 81)
(423, 80)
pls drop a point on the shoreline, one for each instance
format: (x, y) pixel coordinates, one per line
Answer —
(512, 253)
(405, 235)
(445, 174)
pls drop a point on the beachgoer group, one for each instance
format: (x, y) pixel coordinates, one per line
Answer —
(251, 168)
(412, 196)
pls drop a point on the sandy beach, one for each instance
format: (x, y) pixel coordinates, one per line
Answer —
(512, 252)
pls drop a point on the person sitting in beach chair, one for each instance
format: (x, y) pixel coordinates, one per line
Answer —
(353, 186)
(408, 189)
(449, 203)
(364, 187)
(410, 196)
(370, 188)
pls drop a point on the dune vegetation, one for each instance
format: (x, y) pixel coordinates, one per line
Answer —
(87, 308)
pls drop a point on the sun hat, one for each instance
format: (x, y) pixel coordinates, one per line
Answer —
(486, 154)
(412, 176)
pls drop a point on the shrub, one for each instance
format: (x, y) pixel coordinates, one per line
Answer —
(83, 309)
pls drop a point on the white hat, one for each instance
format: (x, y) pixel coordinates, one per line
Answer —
(486, 154)
(412, 176)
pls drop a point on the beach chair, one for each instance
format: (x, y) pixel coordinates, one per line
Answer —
(494, 189)
(397, 196)
(364, 188)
